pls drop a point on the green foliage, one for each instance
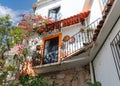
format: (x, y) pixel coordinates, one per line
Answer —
(9, 36)
(3, 77)
(33, 81)
(10, 68)
(25, 52)
(17, 33)
(94, 84)
(2, 61)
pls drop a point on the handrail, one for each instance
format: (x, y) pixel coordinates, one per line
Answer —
(95, 23)
(79, 40)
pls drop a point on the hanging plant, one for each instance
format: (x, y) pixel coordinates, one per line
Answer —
(81, 30)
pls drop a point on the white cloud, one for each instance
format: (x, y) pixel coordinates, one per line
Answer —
(15, 15)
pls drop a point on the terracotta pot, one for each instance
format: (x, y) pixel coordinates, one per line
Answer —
(66, 38)
(72, 40)
(38, 47)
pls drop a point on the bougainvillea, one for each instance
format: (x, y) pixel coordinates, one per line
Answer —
(34, 22)
(17, 49)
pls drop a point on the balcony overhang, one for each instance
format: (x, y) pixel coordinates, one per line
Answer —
(61, 65)
(78, 59)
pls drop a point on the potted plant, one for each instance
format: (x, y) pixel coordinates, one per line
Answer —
(94, 84)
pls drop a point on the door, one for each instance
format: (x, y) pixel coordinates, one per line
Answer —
(51, 50)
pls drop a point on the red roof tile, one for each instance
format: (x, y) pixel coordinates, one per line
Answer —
(68, 21)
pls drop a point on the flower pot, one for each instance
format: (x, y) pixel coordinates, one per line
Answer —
(38, 47)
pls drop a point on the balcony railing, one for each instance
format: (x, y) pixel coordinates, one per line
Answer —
(74, 44)
(79, 40)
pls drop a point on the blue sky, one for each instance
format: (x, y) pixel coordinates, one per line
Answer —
(18, 4)
(15, 8)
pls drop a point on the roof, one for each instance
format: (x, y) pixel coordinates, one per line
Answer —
(66, 22)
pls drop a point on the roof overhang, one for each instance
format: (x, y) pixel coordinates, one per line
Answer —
(78, 59)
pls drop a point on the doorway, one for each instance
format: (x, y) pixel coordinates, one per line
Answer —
(51, 50)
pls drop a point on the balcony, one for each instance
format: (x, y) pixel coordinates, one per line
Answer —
(70, 52)
(76, 49)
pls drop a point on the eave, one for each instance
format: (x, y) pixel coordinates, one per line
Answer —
(78, 18)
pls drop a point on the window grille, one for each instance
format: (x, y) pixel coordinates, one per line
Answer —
(115, 47)
(54, 13)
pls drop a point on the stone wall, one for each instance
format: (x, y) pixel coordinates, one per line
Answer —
(70, 77)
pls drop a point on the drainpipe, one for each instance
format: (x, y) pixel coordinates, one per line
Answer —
(92, 72)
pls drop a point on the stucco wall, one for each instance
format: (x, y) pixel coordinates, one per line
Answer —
(78, 76)
(105, 70)
(68, 8)
(36, 39)
(71, 30)
(95, 11)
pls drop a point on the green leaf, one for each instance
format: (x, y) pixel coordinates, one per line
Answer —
(97, 84)
(89, 84)
(2, 61)
(15, 56)
(25, 51)
(10, 68)
(3, 47)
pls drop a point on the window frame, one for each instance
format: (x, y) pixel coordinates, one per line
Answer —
(56, 14)
(59, 35)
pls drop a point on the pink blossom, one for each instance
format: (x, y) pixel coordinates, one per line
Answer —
(23, 15)
(17, 48)
(20, 47)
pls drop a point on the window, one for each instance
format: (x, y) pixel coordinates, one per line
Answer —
(54, 13)
(115, 47)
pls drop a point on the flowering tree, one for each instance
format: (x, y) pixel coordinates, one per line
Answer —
(9, 38)
(13, 51)
(34, 22)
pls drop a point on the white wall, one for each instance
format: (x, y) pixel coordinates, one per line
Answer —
(71, 30)
(95, 11)
(71, 7)
(44, 9)
(105, 70)
(68, 8)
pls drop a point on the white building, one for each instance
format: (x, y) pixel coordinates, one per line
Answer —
(89, 55)
(61, 8)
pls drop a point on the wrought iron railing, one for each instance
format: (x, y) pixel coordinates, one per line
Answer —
(79, 40)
